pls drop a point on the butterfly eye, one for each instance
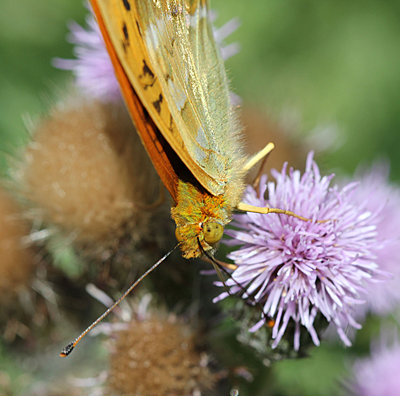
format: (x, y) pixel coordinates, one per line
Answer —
(212, 232)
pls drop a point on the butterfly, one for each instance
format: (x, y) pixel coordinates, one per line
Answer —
(173, 80)
(176, 89)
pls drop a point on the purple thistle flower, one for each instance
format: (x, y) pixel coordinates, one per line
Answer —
(298, 269)
(92, 68)
(222, 33)
(378, 375)
(381, 197)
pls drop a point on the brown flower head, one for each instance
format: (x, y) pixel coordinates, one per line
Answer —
(157, 356)
(152, 352)
(17, 261)
(86, 173)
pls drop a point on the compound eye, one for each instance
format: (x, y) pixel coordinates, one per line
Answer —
(212, 232)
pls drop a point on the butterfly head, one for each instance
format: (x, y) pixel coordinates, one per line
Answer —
(200, 219)
(207, 233)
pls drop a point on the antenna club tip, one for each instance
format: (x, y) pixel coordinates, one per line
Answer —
(67, 350)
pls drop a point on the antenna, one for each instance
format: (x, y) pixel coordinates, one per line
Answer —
(70, 347)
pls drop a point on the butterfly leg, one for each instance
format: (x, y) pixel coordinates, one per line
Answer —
(263, 155)
(228, 266)
(265, 210)
(260, 156)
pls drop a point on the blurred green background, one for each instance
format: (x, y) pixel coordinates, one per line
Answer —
(331, 62)
(334, 62)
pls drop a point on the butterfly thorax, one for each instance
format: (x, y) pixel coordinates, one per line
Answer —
(200, 218)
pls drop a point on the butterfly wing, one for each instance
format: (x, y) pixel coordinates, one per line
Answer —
(182, 49)
(159, 150)
(167, 51)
